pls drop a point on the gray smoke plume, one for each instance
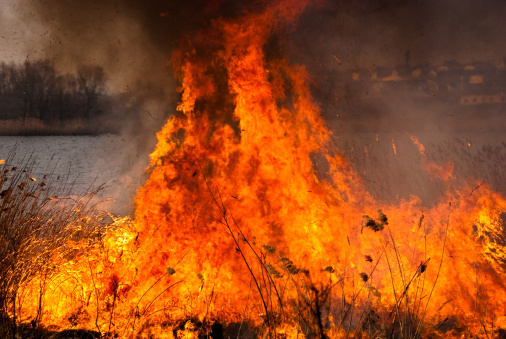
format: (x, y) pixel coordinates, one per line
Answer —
(370, 118)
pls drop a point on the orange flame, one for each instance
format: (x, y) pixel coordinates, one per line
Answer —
(235, 224)
(419, 145)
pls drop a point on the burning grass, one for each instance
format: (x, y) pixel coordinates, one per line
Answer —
(71, 271)
(39, 222)
(235, 235)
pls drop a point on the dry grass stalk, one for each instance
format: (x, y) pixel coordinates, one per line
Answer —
(38, 218)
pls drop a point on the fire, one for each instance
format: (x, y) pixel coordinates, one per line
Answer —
(418, 144)
(234, 225)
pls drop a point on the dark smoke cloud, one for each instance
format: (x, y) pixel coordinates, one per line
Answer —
(129, 36)
(371, 33)
(130, 39)
(133, 39)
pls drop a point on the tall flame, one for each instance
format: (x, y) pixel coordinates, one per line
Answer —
(250, 213)
(212, 186)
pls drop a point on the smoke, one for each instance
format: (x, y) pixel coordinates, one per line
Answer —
(366, 36)
(133, 41)
(374, 33)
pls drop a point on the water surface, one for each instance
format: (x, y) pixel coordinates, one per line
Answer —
(82, 163)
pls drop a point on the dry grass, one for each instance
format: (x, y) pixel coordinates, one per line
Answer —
(347, 305)
(38, 217)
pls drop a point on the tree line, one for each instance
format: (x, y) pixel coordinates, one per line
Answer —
(33, 89)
